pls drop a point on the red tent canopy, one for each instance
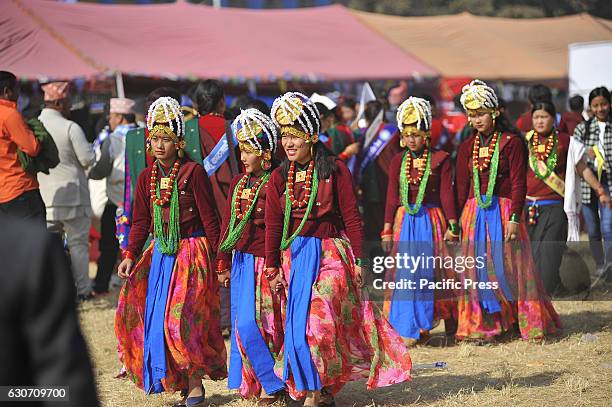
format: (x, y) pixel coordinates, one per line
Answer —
(54, 39)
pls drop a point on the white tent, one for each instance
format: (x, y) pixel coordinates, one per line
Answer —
(590, 66)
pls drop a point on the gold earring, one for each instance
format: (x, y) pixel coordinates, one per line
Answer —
(402, 143)
(179, 145)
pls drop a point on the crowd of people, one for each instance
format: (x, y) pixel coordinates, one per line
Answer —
(266, 225)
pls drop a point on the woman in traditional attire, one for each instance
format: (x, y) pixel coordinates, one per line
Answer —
(333, 333)
(419, 216)
(167, 320)
(501, 288)
(591, 149)
(257, 335)
(546, 220)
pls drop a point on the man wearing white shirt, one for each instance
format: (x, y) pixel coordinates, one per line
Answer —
(111, 166)
(64, 190)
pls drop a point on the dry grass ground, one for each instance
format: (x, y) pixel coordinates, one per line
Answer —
(564, 370)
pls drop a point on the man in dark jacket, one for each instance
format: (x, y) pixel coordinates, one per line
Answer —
(40, 339)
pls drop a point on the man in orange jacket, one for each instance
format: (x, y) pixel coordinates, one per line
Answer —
(19, 194)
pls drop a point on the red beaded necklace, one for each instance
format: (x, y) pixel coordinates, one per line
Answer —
(420, 169)
(542, 151)
(251, 197)
(489, 152)
(168, 191)
(291, 181)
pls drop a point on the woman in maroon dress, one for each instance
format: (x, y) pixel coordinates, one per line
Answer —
(333, 335)
(501, 289)
(257, 333)
(546, 220)
(420, 214)
(167, 319)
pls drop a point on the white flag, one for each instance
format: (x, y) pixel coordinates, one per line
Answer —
(367, 95)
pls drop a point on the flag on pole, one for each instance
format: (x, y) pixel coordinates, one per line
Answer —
(367, 95)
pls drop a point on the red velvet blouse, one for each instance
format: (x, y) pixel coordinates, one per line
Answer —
(197, 211)
(511, 179)
(539, 189)
(253, 236)
(335, 212)
(439, 192)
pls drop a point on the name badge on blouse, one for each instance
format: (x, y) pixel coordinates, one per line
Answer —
(164, 182)
(245, 193)
(541, 148)
(419, 163)
(483, 152)
(300, 176)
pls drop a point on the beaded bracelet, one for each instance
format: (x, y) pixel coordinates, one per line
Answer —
(454, 228)
(515, 218)
(386, 233)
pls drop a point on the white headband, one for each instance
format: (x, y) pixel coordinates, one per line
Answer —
(287, 103)
(479, 91)
(171, 108)
(251, 116)
(422, 108)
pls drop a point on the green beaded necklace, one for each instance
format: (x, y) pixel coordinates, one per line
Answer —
(492, 179)
(286, 242)
(167, 243)
(235, 231)
(551, 161)
(404, 186)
